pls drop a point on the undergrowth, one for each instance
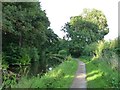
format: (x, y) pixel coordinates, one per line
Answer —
(100, 73)
(60, 77)
(102, 67)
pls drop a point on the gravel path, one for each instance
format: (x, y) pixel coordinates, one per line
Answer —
(80, 78)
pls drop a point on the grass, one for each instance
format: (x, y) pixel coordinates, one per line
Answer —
(100, 74)
(60, 77)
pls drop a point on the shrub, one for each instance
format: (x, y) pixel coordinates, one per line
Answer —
(75, 51)
(34, 54)
(90, 50)
(54, 59)
(28, 55)
(25, 59)
(69, 58)
(63, 53)
(12, 55)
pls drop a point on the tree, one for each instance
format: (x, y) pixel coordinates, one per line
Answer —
(24, 25)
(27, 36)
(85, 29)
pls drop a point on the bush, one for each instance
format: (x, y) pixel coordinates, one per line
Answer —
(12, 54)
(25, 59)
(34, 54)
(28, 55)
(63, 53)
(89, 50)
(75, 51)
(54, 59)
(69, 58)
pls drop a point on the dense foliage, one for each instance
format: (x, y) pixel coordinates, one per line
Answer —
(102, 64)
(85, 29)
(26, 33)
(28, 38)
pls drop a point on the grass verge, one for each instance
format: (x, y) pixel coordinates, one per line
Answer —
(60, 77)
(100, 74)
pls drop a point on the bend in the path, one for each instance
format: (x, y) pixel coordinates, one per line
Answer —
(80, 77)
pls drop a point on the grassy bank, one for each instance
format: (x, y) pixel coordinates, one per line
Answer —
(100, 74)
(60, 77)
(102, 67)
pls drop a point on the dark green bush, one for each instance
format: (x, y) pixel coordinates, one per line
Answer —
(12, 54)
(54, 59)
(89, 50)
(75, 51)
(63, 53)
(34, 54)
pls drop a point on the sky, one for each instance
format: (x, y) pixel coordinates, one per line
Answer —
(60, 11)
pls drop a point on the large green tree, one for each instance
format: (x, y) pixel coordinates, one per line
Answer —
(26, 33)
(91, 26)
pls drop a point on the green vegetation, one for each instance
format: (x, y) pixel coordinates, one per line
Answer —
(103, 70)
(60, 77)
(22, 31)
(85, 29)
(28, 38)
(85, 35)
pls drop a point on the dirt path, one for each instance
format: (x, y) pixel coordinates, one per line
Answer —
(80, 78)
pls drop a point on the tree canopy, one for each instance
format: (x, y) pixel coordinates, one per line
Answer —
(26, 32)
(91, 26)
